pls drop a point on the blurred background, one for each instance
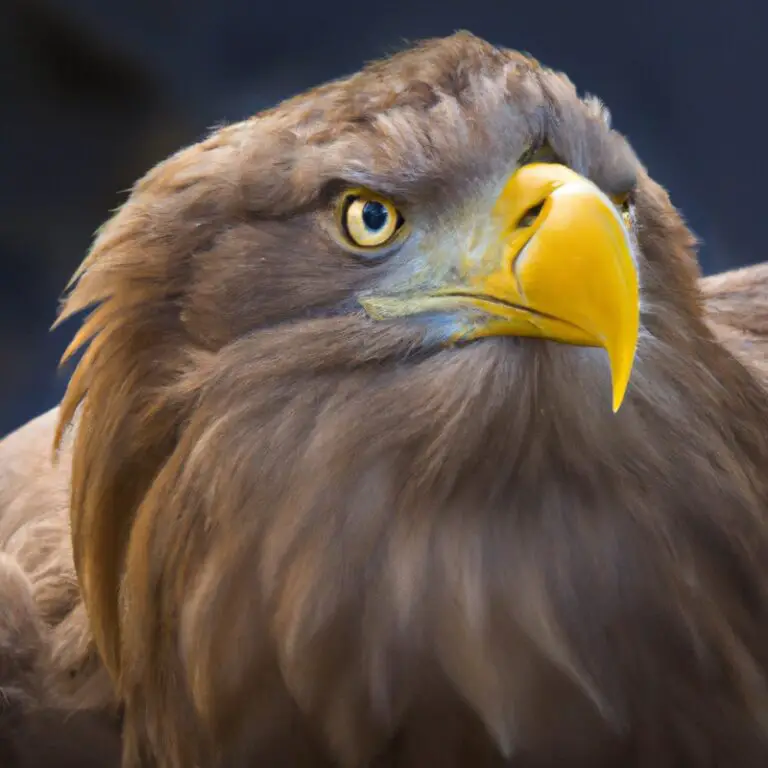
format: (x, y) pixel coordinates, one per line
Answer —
(94, 92)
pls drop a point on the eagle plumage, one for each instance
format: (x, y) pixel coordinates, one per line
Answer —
(328, 498)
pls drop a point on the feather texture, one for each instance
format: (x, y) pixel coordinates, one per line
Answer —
(303, 538)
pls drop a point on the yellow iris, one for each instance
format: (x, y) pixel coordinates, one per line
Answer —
(368, 220)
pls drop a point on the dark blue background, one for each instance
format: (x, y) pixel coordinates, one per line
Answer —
(93, 92)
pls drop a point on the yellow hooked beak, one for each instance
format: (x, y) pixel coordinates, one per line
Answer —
(553, 261)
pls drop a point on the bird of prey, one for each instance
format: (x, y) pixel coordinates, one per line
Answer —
(405, 434)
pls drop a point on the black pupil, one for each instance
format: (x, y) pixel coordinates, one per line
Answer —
(375, 216)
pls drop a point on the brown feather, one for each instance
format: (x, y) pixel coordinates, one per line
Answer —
(301, 540)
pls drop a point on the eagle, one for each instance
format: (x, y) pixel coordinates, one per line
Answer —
(403, 432)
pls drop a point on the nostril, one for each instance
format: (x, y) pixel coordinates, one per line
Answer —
(530, 216)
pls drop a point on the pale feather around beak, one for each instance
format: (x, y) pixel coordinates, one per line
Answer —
(553, 260)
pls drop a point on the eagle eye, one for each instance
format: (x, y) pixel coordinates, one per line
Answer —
(625, 204)
(368, 220)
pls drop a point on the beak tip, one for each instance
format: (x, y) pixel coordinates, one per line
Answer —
(621, 372)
